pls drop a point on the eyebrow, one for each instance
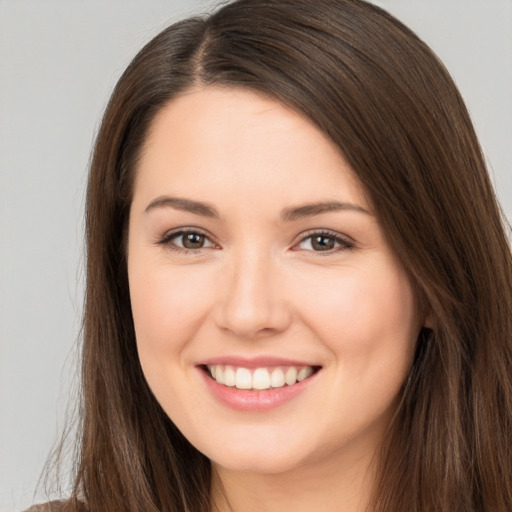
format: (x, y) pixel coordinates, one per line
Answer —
(185, 205)
(287, 215)
(308, 210)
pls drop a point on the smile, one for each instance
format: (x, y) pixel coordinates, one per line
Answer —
(259, 379)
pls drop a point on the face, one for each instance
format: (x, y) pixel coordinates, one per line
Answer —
(273, 323)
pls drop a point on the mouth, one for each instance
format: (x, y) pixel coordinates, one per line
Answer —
(258, 379)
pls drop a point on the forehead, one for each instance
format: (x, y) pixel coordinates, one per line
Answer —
(240, 140)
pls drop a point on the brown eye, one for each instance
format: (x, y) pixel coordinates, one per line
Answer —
(193, 240)
(323, 242)
(187, 241)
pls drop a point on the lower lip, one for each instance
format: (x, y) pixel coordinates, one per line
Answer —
(255, 401)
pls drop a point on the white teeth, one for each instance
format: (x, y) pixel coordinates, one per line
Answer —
(304, 373)
(277, 378)
(219, 374)
(290, 376)
(259, 378)
(229, 376)
(243, 379)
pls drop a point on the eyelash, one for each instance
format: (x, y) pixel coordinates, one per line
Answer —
(343, 243)
(166, 240)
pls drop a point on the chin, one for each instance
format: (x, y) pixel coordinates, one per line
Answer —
(260, 463)
(257, 454)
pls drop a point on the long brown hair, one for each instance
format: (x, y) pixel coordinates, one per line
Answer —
(391, 107)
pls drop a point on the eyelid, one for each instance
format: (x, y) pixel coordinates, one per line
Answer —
(165, 240)
(346, 243)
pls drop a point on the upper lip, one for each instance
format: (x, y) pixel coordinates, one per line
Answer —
(254, 362)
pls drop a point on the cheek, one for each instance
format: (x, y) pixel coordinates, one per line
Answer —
(168, 305)
(365, 315)
(369, 322)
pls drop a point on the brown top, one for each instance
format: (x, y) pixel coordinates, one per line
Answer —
(47, 507)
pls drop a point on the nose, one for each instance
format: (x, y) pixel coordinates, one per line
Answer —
(253, 301)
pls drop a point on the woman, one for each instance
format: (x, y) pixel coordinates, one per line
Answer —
(299, 287)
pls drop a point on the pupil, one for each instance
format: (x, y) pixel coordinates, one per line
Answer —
(193, 240)
(323, 243)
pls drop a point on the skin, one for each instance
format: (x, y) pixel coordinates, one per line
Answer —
(259, 287)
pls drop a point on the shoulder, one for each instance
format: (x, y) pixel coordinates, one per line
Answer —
(46, 507)
(57, 506)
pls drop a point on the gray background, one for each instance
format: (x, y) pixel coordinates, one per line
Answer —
(58, 63)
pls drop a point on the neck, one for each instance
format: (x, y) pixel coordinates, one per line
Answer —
(322, 486)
